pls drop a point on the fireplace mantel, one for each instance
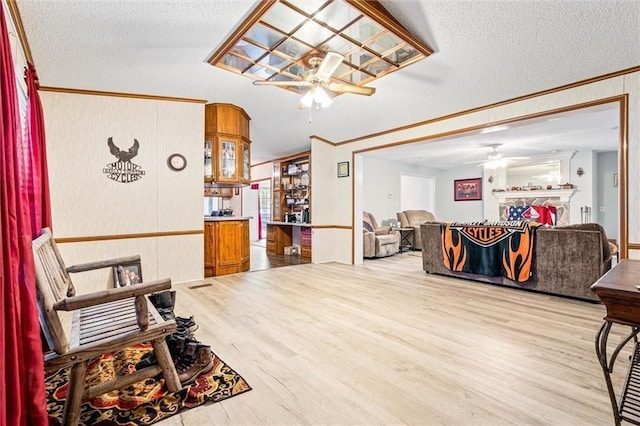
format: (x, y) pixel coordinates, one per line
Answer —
(562, 194)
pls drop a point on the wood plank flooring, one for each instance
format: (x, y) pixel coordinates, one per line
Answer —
(385, 343)
(260, 260)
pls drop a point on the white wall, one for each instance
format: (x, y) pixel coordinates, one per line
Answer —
(250, 209)
(383, 186)
(607, 199)
(585, 195)
(85, 203)
(449, 210)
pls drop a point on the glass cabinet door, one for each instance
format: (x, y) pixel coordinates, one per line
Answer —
(208, 164)
(228, 156)
(246, 165)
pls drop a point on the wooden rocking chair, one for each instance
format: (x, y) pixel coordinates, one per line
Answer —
(103, 322)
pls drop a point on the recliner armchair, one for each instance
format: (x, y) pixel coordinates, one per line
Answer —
(378, 241)
(413, 219)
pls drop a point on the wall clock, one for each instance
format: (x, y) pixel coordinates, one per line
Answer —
(177, 162)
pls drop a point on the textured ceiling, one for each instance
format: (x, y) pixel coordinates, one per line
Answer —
(485, 52)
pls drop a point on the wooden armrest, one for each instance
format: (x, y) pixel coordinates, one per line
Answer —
(103, 264)
(112, 294)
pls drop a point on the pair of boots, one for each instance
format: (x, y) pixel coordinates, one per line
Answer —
(190, 357)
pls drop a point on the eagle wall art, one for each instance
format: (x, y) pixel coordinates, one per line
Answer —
(123, 170)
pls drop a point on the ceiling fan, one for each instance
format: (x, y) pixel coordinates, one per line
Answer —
(496, 159)
(319, 78)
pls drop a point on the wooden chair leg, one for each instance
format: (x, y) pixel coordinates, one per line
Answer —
(75, 393)
(166, 363)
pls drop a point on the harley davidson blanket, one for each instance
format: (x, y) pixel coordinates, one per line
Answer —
(494, 249)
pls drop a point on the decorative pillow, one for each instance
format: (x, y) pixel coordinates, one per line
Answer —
(367, 226)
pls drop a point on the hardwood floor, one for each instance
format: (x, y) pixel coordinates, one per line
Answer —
(384, 343)
(260, 260)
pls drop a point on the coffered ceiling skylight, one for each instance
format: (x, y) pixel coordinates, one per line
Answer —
(279, 37)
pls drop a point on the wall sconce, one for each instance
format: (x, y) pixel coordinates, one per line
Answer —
(580, 171)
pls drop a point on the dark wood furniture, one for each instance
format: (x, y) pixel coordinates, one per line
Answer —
(103, 322)
(617, 290)
(226, 246)
(281, 235)
(305, 242)
(291, 187)
(406, 239)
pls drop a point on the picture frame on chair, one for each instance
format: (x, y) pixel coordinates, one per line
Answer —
(127, 274)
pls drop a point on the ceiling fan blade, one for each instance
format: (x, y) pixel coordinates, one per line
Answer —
(281, 83)
(329, 65)
(351, 88)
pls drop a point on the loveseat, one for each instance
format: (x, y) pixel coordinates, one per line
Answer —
(566, 260)
(413, 219)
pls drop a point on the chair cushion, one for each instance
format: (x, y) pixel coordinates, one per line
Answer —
(367, 226)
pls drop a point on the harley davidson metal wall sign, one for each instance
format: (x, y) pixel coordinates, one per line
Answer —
(123, 170)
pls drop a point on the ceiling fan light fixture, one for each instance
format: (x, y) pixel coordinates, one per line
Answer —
(322, 98)
(307, 99)
(316, 96)
(494, 164)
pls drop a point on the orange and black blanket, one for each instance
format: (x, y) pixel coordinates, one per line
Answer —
(494, 249)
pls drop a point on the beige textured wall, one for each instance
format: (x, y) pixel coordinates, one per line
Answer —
(86, 203)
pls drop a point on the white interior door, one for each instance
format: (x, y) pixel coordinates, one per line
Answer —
(417, 193)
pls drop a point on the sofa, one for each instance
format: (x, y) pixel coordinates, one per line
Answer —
(378, 241)
(566, 260)
(413, 219)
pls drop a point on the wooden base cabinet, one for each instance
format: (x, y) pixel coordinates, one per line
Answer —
(305, 243)
(278, 237)
(226, 247)
(281, 235)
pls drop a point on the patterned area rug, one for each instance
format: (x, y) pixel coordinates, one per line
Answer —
(142, 403)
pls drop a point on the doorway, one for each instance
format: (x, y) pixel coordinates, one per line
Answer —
(590, 132)
(417, 193)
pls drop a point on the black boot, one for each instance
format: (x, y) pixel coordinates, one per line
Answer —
(164, 303)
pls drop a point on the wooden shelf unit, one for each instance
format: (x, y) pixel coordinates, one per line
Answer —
(291, 188)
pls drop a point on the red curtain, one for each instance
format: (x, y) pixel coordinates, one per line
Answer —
(22, 397)
(36, 175)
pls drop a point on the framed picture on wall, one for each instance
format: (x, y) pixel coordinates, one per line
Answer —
(343, 169)
(127, 274)
(467, 189)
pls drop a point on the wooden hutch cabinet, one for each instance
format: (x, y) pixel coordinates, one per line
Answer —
(291, 206)
(227, 147)
(291, 189)
(227, 155)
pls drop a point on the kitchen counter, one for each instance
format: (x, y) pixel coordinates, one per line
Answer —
(223, 218)
(290, 224)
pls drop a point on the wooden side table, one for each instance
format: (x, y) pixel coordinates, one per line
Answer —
(406, 239)
(617, 290)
